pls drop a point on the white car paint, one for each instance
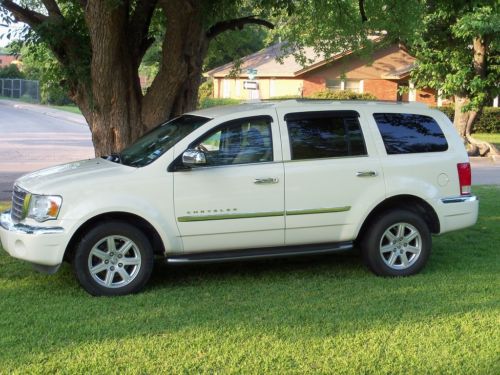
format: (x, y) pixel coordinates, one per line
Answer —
(163, 198)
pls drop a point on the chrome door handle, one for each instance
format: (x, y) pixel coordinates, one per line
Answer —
(269, 180)
(366, 174)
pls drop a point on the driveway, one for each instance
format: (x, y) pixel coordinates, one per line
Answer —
(485, 171)
(35, 137)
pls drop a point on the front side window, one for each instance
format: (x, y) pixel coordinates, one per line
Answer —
(405, 133)
(155, 143)
(242, 141)
(329, 134)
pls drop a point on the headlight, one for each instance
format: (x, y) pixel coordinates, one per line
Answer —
(43, 207)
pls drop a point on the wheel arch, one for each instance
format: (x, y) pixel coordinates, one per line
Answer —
(405, 202)
(129, 218)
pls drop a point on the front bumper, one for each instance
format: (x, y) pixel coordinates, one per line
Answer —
(458, 212)
(43, 245)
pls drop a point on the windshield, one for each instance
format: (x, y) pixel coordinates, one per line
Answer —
(156, 142)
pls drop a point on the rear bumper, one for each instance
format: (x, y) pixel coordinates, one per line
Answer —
(43, 245)
(457, 212)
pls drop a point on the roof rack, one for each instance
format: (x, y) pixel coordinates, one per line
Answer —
(280, 102)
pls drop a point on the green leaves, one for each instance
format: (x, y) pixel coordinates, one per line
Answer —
(449, 49)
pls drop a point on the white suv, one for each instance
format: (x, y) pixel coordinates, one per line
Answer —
(250, 181)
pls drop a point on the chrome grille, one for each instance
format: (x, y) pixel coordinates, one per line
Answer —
(18, 196)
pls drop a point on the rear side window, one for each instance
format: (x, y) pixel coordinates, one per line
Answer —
(330, 134)
(405, 133)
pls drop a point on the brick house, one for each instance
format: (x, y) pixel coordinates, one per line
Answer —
(382, 74)
(6, 60)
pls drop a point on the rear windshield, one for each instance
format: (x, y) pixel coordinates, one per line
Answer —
(155, 143)
(405, 133)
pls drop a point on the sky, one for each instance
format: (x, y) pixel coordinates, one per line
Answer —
(4, 41)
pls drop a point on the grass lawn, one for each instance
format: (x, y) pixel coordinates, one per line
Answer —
(68, 108)
(489, 137)
(313, 315)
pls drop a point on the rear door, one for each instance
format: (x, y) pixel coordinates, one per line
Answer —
(333, 174)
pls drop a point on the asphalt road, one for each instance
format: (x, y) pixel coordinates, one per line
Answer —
(34, 137)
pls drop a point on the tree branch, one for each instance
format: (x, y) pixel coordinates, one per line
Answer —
(362, 11)
(139, 26)
(52, 8)
(25, 15)
(237, 23)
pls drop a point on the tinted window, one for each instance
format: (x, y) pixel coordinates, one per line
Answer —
(239, 142)
(316, 135)
(405, 133)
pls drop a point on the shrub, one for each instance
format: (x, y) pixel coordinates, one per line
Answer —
(487, 122)
(212, 102)
(341, 95)
(11, 71)
(54, 94)
(206, 90)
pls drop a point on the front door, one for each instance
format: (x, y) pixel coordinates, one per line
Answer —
(237, 199)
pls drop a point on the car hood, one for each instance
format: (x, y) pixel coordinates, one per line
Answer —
(55, 180)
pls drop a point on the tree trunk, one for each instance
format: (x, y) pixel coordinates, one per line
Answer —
(464, 121)
(116, 109)
(175, 88)
(110, 96)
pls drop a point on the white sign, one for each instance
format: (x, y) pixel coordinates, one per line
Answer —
(252, 73)
(250, 85)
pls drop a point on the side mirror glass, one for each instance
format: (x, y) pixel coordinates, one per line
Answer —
(193, 158)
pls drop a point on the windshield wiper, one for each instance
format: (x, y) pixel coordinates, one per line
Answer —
(115, 158)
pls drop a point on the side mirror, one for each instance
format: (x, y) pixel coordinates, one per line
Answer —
(193, 158)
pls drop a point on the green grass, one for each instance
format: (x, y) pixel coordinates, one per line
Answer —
(22, 99)
(68, 108)
(489, 137)
(309, 315)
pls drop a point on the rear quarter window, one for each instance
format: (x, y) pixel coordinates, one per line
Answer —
(405, 133)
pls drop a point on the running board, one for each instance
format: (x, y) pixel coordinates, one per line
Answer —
(261, 253)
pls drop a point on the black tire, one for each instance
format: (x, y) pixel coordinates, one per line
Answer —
(127, 264)
(381, 246)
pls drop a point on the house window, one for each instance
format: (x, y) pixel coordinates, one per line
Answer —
(344, 84)
(352, 85)
(334, 84)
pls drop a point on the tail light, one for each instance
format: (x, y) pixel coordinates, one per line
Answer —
(464, 178)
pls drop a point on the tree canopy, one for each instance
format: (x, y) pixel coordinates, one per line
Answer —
(458, 53)
(100, 44)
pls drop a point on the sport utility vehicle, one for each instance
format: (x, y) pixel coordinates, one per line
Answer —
(250, 181)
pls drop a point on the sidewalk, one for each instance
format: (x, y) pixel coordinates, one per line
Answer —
(45, 110)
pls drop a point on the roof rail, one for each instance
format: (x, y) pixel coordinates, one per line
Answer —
(333, 101)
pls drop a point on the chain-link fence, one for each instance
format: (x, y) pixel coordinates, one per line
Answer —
(20, 89)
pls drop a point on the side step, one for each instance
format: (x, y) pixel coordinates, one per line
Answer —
(261, 253)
